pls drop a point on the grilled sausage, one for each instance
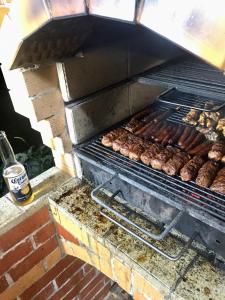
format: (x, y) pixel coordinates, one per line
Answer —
(169, 135)
(190, 170)
(217, 151)
(207, 174)
(177, 135)
(146, 126)
(199, 138)
(201, 149)
(147, 134)
(190, 138)
(184, 135)
(151, 116)
(108, 138)
(141, 114)
(174, 164)
(159, 132)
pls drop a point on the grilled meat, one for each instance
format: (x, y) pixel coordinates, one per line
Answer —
(118, 143)
(151, 116)
(177, 135)
(199, 138)
(169, 135)
(217, 151)
(162, 157)
(136, 151)
(133, 125)
(201, 149)
(149, 132)
(207, 173)
(221, 125)
(141, 114)
(189, 139)
(219, 182)
(184, 135)
(192, 117)
(131, 141)
(174, 164)
(157, 134)
(149, 153)
(108, 139)
(190, 170)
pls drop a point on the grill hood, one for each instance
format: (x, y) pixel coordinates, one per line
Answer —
(41, 31)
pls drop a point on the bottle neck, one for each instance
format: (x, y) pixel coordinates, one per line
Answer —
(6, 151)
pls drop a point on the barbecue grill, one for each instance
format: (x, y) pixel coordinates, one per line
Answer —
(146, 42)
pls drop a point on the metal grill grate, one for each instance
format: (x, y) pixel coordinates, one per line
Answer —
(189, 76)
(172, 188)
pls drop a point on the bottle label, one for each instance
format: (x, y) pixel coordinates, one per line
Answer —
(20, 186)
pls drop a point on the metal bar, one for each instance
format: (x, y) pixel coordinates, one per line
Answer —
(156, 237)
(149, 244)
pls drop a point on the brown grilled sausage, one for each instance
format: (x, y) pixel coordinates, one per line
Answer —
(217, 151)
(177, 135)
(164, 133)
(190, 138)
(169, 135)
(201, 149)
(146, 126)
(190, 170)
(151, 116)
(149, 131)
(157, 129)
(174, 164)
(141, 114)
(207, 174)
(111, 136)
(159, 132)
(164, 115)
(199, 138)
(184, 135)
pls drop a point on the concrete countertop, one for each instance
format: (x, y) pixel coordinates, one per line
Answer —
(203, 281)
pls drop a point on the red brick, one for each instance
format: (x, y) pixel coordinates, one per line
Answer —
(45, 293)
(80, 285)
(87, 268)
(94, 291)
(34, 258)
(65, 234)
(69, 272)
(3, 284)
(101, 295)
(25, 228)
(96, 280)
(14, 255)
(44, 233)
(74, 281)
(49, 276)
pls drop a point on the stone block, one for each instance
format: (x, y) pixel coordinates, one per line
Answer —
(97, 113)
(89, 72)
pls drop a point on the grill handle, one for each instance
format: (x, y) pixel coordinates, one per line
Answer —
(150, 245)
(156, 237)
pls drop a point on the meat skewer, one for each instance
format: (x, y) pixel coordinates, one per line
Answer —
(219, 182)
(199, 138)
(108, 138)
(217, 151)
(174, 164)
(201, 149)
(190, 170)
(206, 174)
(185, 135)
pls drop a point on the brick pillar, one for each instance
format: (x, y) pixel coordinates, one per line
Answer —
(35, 94)
(32, 265)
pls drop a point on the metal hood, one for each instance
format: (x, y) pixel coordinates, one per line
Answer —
(41, 31)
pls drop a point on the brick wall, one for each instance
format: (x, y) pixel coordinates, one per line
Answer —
(32, 265)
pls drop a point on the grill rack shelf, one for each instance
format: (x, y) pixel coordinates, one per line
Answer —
(200, 203)
(191, 83)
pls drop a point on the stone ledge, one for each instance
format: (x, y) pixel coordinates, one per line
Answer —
(86, 234)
